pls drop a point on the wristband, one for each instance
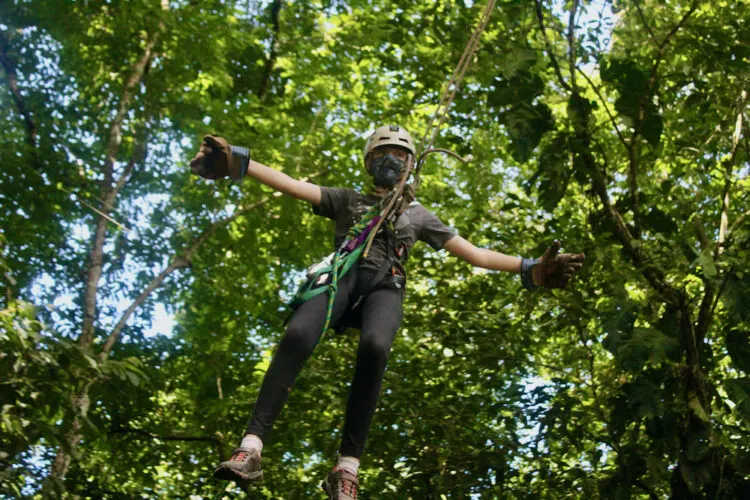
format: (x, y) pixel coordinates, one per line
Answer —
(527, 280)
(241, 155)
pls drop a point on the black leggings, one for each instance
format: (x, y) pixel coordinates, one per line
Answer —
(381, 317)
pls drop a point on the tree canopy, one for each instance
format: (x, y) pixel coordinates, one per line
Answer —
(619, 127)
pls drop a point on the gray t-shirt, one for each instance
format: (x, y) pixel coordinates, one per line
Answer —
(346, 206)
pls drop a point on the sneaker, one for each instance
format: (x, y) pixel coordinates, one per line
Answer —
(243, 468)
(341, 485)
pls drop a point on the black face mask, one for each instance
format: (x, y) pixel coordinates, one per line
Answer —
(386, 170)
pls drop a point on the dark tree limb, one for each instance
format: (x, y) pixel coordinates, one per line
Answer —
(217, 442)
(704, 311)
(677, 27)
(572, 55)
(654, 275)
(633, 149)
(645, 23)
(553, 58)
(80, 403)
(606, 108)
(12, 78)
(271, 61)
(96, 255)
(109, 192)
(728, 166)
(181, 261)
(161, 437)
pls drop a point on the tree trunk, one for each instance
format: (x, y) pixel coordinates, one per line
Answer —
(67, 450)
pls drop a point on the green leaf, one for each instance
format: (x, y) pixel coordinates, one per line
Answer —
(553, 173)
(738, 346)
(630, 81)
(706, 261)
(695, 405)
(739, 392)
(526, 120)
(523, 87)
(659, 221)
(633, 86)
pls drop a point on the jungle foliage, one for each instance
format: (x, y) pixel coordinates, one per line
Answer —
(620, 127)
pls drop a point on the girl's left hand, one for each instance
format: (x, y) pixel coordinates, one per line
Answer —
(554, 269)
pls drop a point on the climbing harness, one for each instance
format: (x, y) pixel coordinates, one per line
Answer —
(324, 275)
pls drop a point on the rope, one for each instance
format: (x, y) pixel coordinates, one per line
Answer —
(453, 84)
(394, 201)
(441, 113)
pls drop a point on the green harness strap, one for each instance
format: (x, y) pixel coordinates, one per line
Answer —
(348, 260)
(343, 260)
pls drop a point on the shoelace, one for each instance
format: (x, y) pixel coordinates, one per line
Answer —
(239, 456)
(348, 487)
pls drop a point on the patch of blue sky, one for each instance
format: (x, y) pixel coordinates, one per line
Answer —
(596, 15)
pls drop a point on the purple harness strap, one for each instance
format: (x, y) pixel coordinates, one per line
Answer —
(350, 245)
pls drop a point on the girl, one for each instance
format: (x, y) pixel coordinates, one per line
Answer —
(368, 296)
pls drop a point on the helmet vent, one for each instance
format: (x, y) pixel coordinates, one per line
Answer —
(393, 128)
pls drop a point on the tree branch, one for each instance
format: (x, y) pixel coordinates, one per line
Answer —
(648, 28)
(633, 148)
(606, 108)
(677, 26)
(151, 435)
(705, 312)
(179, 262)
(614, 442)
(635, 204)
(137, 156)
(572, 44)
(728, 165)
(553, 59)
(653, 275)
(738, 222)
(96, 256)
(12, 78)
(271, 61)
(115, 129)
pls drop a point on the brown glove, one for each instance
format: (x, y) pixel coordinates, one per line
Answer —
(554, 270)
(217, 158)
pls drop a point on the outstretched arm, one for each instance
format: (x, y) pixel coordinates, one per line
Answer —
(217, 158)
(481, 257)
(302, 190)
(552, 270)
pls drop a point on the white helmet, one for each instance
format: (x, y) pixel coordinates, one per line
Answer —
(390, 135)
